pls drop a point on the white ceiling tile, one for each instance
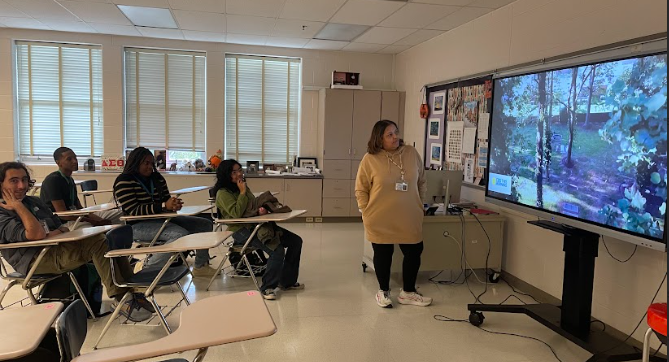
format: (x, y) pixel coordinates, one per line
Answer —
(365, 12)
(97, 12)
(161, 33)
(42, 9)
(9, 11)
(284, 42)
(73, 26)
(296, 28)
(246, 39)
(127, 30)
(266, 8)
(315, 10)
(444, 2)
(254, 25)
(365, 48)
(458, 18)
(201, 21)
(418, 37)
(22, 23)
(491, 4)
(416, 16)
(326, 44)
(379, 35)
(145, 3)
(394, 49)
(212, 6)
(204, 36)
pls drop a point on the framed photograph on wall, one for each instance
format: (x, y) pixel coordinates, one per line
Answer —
(435, 154)
(438, 102)
(434, 128)
(252, 167)
(305, 161)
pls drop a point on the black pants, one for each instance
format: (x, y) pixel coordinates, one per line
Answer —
(383, 259)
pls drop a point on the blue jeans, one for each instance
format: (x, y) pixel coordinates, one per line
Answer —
(283, 266)
(176, 228)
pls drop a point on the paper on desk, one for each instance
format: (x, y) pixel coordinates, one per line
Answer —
(469, 140)
(484, 123)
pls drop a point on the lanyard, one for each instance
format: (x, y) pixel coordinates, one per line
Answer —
(400, 166)
(73, 187)
(153, 189)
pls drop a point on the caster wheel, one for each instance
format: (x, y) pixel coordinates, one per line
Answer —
(494, 277)
(476, 318)
(364, 267)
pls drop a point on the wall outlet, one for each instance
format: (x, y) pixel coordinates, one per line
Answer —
(310, 219)
(319, 219)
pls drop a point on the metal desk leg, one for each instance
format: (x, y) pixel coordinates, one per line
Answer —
(246, 244)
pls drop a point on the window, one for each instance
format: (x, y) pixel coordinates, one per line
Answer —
(165, 99)
(262, 96)
(59, 98)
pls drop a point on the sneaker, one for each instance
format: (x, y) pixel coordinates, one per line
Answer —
(383, 299)
(142, 302)
(269, 294)
(296, 286)
(133, 312)
(204, 271)
(414, 298)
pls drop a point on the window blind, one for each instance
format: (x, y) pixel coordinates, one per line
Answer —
(262, 102)
(165, 99)
(59, 96)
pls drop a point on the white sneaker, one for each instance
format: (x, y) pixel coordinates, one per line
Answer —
(383, 299)
(414, 298)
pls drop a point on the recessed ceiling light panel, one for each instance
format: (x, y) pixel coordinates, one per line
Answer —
(341, 32)
(149, 17)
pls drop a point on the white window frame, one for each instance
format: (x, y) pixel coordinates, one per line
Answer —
(96, 105)
(203, 109)
(228, 153)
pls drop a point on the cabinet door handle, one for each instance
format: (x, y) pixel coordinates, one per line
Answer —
(287, 187)
(354, 151)
(349, 151)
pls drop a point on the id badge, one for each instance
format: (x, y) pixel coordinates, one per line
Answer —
(45, 226)
(401, 186)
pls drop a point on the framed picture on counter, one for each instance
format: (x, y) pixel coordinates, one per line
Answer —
(307, 161)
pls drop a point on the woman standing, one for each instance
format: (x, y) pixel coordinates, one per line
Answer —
(389, 189)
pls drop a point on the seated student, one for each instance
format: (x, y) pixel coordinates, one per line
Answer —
(141, 190)
(60, 193)
(232, 200)
(27, 218)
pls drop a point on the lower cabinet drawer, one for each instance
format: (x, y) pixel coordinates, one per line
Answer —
(336, 207)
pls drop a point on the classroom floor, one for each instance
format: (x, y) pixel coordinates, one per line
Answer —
(335, 318)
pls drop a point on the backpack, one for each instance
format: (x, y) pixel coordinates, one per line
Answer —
(89, 280)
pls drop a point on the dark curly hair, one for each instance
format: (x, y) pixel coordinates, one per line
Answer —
(14, 166)
(224, 177)
(135, 159)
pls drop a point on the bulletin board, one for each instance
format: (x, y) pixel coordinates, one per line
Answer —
(456, 132)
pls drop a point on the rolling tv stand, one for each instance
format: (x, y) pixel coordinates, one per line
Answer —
(572, 319)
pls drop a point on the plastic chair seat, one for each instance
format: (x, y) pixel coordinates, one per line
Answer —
(657, 319)
(146, 276)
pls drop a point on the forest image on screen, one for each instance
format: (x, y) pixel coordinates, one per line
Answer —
(588, 142)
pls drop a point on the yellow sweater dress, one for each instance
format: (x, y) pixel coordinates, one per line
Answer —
(390, 216)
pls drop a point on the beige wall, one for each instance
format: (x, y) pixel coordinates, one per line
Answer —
(317, 67)
(523, 31)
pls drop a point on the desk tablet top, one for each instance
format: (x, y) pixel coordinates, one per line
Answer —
(277, 217)
(87, 210)
(189, 190)
(75, 235)
(208, 322)
(24, 328)
(196, 241)
(185, 211)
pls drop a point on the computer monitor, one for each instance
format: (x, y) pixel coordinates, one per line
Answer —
(441, 183)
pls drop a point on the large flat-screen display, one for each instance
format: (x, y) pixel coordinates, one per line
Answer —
(586, 146)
